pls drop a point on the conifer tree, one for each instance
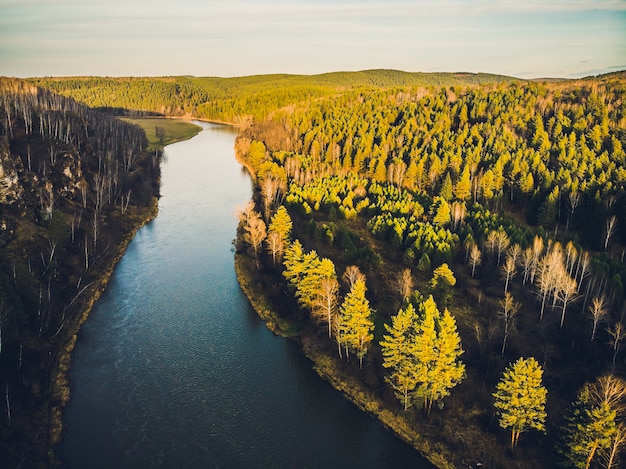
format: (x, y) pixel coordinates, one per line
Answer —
(463, 188)
(423, 353)
(356, 324)
(281, 223)
(521, 398)
(440, 211)
(446, 188)
(399, 354)
(589, 429)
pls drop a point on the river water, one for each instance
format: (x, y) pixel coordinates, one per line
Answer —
(174, 369)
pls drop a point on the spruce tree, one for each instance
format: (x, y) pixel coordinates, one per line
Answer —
(355, 323)
(399, 354)
(521, 398)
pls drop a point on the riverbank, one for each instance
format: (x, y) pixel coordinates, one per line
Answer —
(330, 368)
(60, 392)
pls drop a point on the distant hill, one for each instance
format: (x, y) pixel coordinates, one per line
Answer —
(239, 98)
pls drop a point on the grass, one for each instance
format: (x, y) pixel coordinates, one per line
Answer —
(175, 130)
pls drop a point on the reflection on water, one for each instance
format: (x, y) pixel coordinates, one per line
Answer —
(173, 369)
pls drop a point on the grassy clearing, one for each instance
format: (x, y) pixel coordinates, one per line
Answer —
(175, 130)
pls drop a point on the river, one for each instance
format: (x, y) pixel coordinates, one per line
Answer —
(174, 369)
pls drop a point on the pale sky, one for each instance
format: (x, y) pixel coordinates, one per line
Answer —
(521, 38)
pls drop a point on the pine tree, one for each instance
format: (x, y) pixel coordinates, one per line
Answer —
(446, 188)
(463, 188)
(521, 398)
(281, 223)
(440, 211)
(590, 427)
(355, 323)
(399, 353)
(436, 348)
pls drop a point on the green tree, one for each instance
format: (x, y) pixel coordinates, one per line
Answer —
(521, 398)
(306, 272)
(440, 211)
(446, 188)
(400, 354)
(591, 427)
(463, 188)
(442, 282)
(355, 322)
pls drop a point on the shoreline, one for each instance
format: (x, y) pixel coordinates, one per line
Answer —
(326, 366)
(60, 387)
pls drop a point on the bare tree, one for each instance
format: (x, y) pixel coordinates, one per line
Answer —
(618, 334)
(405, 284)
(598, 310)
(325, 307)
(457, 213)
(617, 443)
(497, 241)
(474, 257)
(352, 274)
(609, 230)
(574, 200)
(272, 191)
(610, 390)
(255, 233)
(508, 271)
(509, 308)
(565, 291)
(527, 264)
(275, 245)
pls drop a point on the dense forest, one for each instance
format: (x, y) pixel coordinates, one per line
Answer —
(466, 246)
(74, 185)
(240, 100)
(452, 243)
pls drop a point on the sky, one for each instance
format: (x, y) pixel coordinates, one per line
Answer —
(226, 38)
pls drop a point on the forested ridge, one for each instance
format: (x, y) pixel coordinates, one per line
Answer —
(239, 100)
(465, 244)
(74, 185)
(452, 243)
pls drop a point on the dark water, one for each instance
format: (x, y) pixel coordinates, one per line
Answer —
(173, 368)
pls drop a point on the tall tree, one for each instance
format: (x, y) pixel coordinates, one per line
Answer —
(281, 223)
(254, 231)
(405, 284)
(400, 354)
(590, 426)
(325, 307)
(510, 307)
(521, 398)
(598, 310)
(437, 351)
(474, 257)
(356, 324)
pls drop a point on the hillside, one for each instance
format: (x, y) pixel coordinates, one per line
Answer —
(74, 186)
(239, 99)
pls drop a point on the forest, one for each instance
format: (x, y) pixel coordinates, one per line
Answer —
(74, 186)
(465, 246)
(451, 245)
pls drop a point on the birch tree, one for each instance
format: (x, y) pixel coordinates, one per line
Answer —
(325, 307)
(598, 310)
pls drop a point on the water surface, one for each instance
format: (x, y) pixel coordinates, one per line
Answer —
(174, 369)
